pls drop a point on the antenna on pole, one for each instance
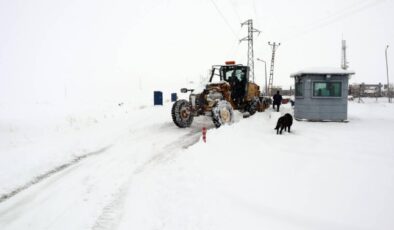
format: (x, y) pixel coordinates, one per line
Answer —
(274, 47)
(344, 62)
(249, 38)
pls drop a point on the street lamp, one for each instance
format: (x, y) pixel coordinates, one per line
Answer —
(387, 70)
(265, 67)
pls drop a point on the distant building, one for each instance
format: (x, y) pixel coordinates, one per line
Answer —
(321, 94)
(283, 92)
(274, 89)
(365, 90)
(287, 92)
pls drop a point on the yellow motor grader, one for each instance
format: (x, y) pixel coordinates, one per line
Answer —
(229, 89)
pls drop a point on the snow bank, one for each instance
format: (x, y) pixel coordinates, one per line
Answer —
(319, 176)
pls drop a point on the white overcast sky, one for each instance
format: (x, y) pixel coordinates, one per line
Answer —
(107, 50)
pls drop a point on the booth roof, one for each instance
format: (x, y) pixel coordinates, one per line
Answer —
(322, 71)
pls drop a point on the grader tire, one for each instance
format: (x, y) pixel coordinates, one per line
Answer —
(253, 106)
(181, 114)
(222, 114)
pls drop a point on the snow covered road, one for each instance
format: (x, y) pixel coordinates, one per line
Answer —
(89, 193)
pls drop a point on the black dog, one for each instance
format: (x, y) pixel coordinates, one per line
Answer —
(284, 122)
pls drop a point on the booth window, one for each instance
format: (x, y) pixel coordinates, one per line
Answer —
(299, 91)
(327, 89)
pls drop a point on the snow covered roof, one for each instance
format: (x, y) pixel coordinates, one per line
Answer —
(323, 71)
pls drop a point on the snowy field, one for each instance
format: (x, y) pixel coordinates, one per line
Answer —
(129, 167)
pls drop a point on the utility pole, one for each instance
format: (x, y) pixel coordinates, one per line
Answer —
(387, 71)
(249, 38)
(274, 46)
(344, 63)
(265, 68)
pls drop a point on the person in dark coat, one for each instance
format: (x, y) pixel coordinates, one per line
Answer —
(277, 101)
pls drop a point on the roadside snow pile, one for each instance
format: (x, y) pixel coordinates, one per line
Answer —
(319, 176)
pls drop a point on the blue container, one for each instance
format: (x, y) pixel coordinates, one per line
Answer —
(174, 97)
(158, 98)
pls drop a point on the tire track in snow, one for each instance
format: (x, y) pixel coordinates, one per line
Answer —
(170, 150)
(112, 212)
(47, 174)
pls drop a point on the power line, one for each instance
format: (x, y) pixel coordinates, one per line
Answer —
(338, 16)
(337, 13)
(224, 18)
(232, 51)
(236, 44)
(236, 11)
(347, 13)
(255, 13)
